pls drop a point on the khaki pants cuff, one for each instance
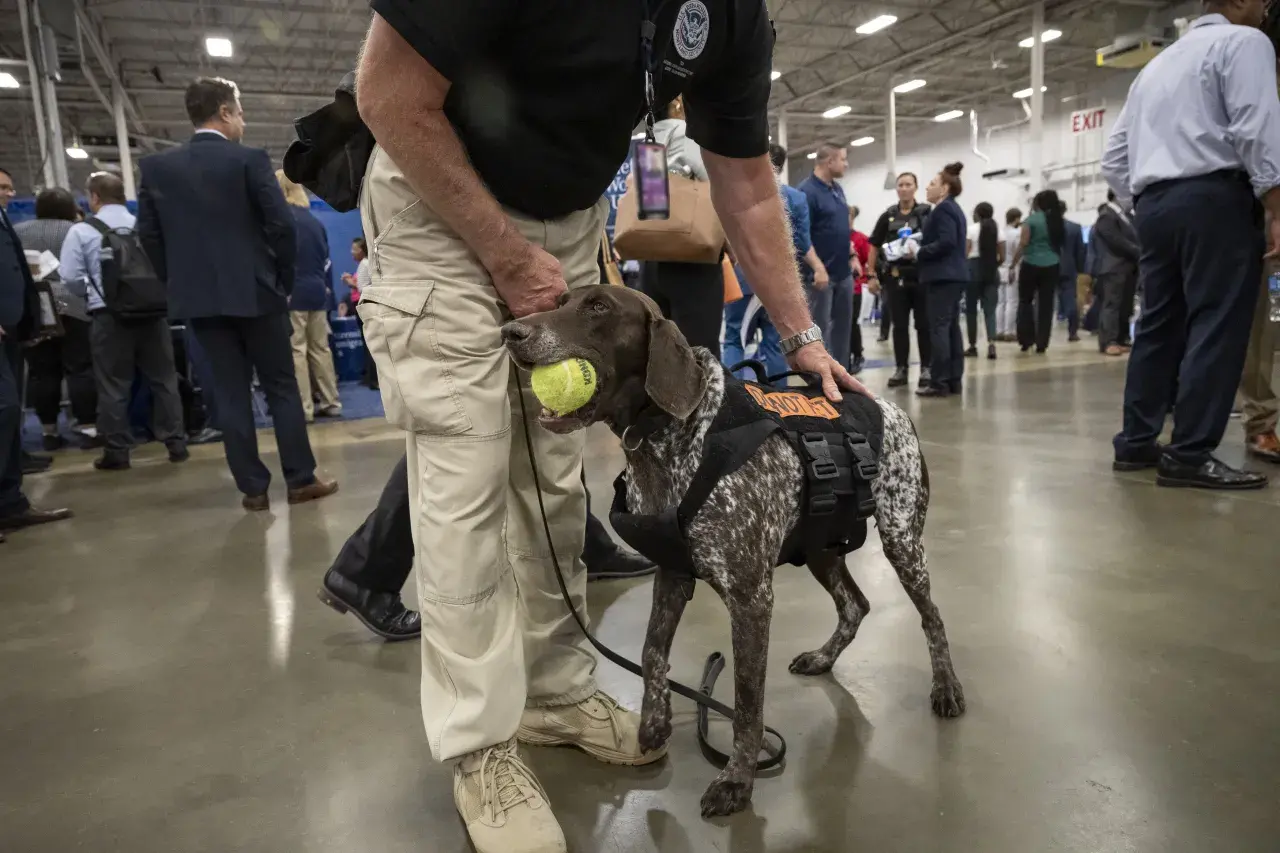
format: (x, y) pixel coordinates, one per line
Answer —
(580, 695)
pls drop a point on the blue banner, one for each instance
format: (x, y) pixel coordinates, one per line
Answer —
(615, 190)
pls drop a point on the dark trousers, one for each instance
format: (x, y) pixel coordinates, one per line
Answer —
(1199, 277)
(12, 501)
(855, 329)
(121, 350)
(1067, 303)
(379, 555)
(237, 347)
(1115, 293)
(200, 379)
(691, 296)
(888, 284)
(50, 361)
(1035, 304)
(947, 364)
(909, 297)
(985, 292)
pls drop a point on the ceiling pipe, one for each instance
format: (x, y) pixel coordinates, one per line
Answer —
(973, 136)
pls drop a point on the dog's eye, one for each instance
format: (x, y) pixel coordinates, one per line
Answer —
(598, 306)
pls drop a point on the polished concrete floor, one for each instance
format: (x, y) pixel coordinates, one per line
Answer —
(170, 683)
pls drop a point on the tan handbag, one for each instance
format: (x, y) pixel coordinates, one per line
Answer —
(691, 234)
(612, 275)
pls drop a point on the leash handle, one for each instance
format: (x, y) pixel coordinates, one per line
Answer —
(715, 663)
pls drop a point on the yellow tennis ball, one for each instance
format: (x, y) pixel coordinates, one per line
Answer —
(565, 386)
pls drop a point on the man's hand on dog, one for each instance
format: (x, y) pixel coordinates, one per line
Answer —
(813, 358)
(529, 281)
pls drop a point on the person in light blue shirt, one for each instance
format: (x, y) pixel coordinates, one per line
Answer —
(1197, 145)
(120, 347)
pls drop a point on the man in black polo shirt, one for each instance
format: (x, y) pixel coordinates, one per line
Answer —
(499, 126)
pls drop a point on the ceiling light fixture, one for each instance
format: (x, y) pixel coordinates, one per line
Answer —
(812, 155)
(909, 86)
(218, 46)
(1045, 37)
(861, 141)
(836, 112)
(948, 115)
(8, 81)
(1026, 93)
(875, 25)
(775, 74)
(75, 152)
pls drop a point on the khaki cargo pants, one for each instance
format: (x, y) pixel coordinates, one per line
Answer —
(495, 632)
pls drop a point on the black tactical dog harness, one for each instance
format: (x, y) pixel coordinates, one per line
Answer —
(839, 447)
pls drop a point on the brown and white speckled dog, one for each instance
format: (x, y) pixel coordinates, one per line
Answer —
(642, 361)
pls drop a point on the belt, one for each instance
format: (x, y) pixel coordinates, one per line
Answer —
(1221, 176)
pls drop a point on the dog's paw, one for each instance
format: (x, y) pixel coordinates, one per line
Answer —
(812, 663)
(726, 797)
(655, 730)
(947, 699)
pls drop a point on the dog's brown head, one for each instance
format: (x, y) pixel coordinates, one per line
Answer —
(638, 356)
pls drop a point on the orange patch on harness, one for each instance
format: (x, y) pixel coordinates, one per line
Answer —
(789, 404)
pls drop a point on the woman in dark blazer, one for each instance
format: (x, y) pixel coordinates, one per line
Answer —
(944, 274)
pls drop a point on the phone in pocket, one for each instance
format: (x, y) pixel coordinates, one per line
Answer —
(654, 199)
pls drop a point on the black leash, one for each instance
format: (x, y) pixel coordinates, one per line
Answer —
(715, 663)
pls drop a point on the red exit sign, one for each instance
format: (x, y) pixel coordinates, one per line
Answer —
(1087, 121)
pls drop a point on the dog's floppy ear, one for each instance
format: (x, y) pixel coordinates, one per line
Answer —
(673, 379)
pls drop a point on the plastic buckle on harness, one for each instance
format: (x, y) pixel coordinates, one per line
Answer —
(821, 465)
(822, 504)
(865, 461)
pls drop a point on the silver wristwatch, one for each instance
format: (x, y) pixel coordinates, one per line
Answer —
(811, 335)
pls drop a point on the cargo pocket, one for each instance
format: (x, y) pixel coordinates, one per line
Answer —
(418, 391)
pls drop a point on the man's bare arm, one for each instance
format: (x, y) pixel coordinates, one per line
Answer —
(745, 196)
(401, 99)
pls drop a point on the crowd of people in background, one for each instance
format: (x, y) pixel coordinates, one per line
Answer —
(223, 256)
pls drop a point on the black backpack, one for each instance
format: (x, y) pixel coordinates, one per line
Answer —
(130, 287)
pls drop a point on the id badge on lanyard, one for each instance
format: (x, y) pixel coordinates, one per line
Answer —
(650, 166)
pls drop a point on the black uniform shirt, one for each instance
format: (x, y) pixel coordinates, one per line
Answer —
(545, 95)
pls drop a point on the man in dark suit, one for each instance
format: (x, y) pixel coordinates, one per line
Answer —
(1073, 260)
(1117, 257)
(215, 225)
(16, 319)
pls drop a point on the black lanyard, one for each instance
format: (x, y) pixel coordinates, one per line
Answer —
(647, 32)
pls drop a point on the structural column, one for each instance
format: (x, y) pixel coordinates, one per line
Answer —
(891, 140)
(1035, 160)
(122, 142)
(37, 102)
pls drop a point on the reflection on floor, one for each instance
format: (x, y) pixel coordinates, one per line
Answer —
(171, 683)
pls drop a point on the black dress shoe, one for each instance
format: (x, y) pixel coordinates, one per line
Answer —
(1211, 474)
(618, 564)
(32, 517)
(52, 442)
(971, 352)
(383, 613)
(35, 464)
(109, 461)
(208, 435)
(899, 378)
(1139, 459)
(178, 452)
